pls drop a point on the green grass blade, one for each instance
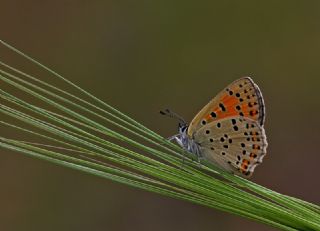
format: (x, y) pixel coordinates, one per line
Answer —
(78, 134)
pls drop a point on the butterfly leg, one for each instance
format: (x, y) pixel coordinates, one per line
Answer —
(199, 158)
(184, 158)
(171, 138)
(174, 137)
(179, 140)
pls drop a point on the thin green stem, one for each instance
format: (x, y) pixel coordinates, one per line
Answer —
(95, 138)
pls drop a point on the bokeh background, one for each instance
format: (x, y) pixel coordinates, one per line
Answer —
(142, 56)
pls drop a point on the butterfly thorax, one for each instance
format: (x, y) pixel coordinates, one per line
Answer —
(185, 141)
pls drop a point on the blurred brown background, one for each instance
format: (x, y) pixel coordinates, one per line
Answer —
(142, 56)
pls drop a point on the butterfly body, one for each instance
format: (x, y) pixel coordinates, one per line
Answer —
(229, 131)
(187, 142)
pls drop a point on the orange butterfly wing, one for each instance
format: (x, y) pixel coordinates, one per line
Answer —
(241, 98)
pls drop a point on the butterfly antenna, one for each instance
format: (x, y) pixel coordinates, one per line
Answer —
(174, 115)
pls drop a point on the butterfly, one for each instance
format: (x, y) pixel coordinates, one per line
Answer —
(228, 131)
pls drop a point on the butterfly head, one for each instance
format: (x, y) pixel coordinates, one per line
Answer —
(182, 125)
(182, 138)
(183, 128)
